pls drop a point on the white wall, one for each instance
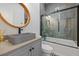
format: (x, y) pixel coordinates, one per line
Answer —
(34, 25)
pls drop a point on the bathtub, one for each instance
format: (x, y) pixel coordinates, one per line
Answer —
(61, 50)
(65, 42)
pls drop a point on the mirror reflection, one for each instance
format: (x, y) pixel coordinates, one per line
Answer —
(14, 14)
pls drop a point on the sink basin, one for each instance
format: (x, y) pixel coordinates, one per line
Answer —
(20, 38)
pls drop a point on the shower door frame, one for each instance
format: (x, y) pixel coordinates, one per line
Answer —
(78, 25)
(61, 11)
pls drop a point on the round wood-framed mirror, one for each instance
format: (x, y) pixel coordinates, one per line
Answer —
(16, 15)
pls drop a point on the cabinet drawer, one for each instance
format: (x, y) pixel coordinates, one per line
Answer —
(37, 42)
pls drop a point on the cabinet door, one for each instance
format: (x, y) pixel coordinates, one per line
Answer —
(36, 49)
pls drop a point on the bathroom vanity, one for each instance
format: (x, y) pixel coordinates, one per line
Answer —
(26, 44)
(28, 48)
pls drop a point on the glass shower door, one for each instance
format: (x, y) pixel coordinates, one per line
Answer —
(62, 26)
(68, 24)
(50, 25)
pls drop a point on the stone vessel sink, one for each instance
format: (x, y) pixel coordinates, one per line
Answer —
(20, 38)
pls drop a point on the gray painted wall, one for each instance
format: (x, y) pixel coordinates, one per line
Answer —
(42, 8)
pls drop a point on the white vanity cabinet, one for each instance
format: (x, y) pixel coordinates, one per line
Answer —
(31, 49)
(36, 49)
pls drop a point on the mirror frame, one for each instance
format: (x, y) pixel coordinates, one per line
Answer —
(26, 13)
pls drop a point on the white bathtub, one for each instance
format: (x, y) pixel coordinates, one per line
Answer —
(62, 41)
(61, 50)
